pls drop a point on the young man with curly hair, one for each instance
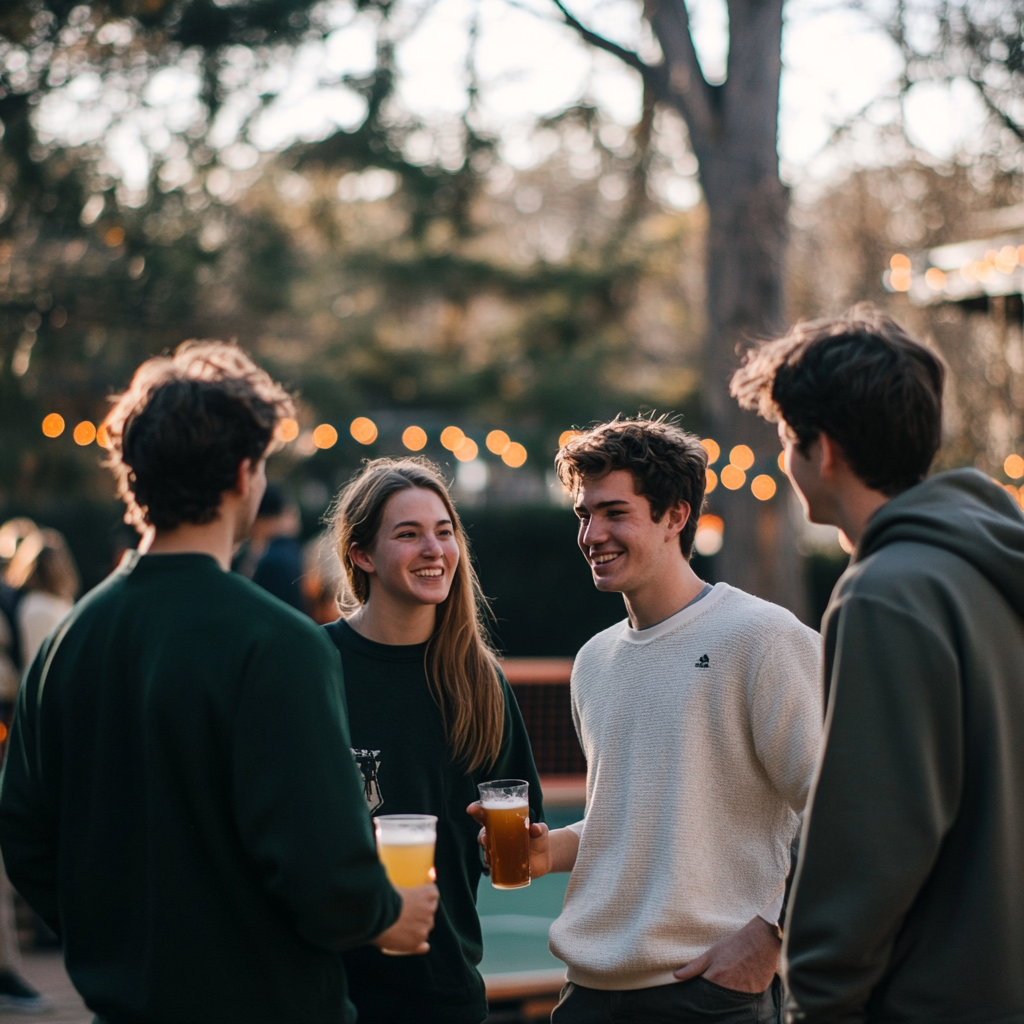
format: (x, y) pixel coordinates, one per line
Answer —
(179, 801)
(908, 901)
(700, 717)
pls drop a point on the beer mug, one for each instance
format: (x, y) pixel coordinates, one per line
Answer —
(507, 820)
(405, 845)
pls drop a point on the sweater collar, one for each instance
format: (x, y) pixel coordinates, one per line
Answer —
(681, 618)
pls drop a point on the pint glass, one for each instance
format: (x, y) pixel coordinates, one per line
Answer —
(405, 845)
(507, 813)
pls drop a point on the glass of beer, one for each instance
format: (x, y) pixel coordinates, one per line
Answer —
(507, 812)
(405, 845)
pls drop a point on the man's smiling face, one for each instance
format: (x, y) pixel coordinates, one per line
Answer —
(624, 546)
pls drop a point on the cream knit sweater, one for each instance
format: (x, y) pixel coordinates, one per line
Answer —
(701, 735)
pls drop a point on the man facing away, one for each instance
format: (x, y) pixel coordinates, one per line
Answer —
(700, 717)
(908, 903)
(179, 801)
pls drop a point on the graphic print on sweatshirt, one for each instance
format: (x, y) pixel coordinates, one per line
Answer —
(368, 763)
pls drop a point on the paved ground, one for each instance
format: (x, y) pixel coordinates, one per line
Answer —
(45, 971)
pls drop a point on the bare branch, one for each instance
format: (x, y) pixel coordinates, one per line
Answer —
(689, 90)
(652, 75)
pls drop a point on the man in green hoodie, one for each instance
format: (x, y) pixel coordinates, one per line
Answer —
(179, 800)
(908, 901)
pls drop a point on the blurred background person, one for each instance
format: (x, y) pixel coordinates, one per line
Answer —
(44, 572)
(37, 590)
(322, 578)
(272, 559)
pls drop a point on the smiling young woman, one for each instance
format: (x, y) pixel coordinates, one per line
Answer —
(430, 716)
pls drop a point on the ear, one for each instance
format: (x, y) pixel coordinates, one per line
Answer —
(833, 460)
(676, 517)
(243, 478)
(361, 559)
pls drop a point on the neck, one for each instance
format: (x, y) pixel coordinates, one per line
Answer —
(657, 599)
(394, 622)
(216, 539)
(854, 511)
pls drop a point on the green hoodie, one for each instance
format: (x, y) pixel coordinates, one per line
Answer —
(908, 903)
(181, 805)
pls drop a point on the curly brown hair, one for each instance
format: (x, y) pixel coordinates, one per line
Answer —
(861, 379)
(181, 430)
(668, 464)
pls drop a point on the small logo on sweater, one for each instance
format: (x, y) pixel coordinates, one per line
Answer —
(702, 662)
(368, 762)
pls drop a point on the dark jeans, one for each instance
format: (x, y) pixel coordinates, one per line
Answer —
(697, 1001)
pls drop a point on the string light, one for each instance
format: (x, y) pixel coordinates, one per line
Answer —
(763, 487)
(741, 457)
(566, 436)
(53, 425)
(709, 536)
(710, 480)
(733, 477)
(467, 450)
(497, 441)
(782, 460)
(713, 450)
(103, 436)
(364, 430)
(414, 438)
(325, 436)
(1013, 467)
(451, 438)
(84, 433)
(287, 430)
(514, 455)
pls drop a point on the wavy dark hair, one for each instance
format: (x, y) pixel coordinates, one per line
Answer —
(461, 666)
(181, 430)
(861, 379)
(668, 464)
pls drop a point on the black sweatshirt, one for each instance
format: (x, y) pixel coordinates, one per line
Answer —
(399, 740)
(180, 804)
(908, 904)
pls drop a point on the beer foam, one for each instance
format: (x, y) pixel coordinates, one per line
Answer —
(511, 803)
(405, 839)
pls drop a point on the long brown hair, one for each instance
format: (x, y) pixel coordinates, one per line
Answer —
(461, 666)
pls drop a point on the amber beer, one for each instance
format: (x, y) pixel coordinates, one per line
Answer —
(507, 812)
(405, 845)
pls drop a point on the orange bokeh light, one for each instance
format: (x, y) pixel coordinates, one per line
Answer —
(103, 436)
(733, 477)
(451, 438)
(325, 436)
(364, 430)
(84, 433)
(782, 460)
(741, 457)
(414, 438)
(713, 450)
(514, 455)
(287, 430)
(53, 425)
(763, 487)
(710, 481)
(497, 441)
(1013, 467)
(566, 436)
(467, 450)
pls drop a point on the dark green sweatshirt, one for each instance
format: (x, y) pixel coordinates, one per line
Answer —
(399, 741)
(908, 904)
(180, 803)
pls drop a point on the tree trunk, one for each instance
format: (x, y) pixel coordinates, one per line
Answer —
(734, 131)
(736, 148)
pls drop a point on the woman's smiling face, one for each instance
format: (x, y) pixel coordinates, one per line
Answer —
(415, 554)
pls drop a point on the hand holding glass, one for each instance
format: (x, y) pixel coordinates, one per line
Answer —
(507, 812)
(405, 845)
